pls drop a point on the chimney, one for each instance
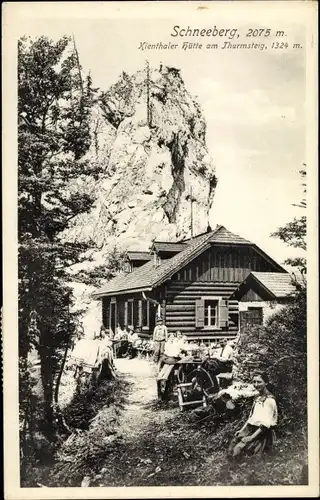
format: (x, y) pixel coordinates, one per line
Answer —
(156, 259)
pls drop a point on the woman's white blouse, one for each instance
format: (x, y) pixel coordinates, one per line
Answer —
(264, 412)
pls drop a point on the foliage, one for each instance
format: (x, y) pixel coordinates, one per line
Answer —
(280, 349)
(54, 106)
(94, 417)
(113, 264)
(294, 233)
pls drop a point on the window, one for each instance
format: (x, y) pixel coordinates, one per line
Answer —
(144, 314)
(255, 316)
(210, 312)
(127, 267)
(129, 313)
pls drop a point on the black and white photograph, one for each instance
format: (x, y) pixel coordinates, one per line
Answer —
(160, 311)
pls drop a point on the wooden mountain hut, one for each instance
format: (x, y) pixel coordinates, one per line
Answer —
(190, 283)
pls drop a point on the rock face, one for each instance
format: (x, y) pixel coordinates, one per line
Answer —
(148, 135)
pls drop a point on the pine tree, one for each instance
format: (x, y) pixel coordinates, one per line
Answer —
(54, 106)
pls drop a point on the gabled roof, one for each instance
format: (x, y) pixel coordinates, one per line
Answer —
(222, 235)
(139, 255)
(274, 285)
(279, 284)
(167, 246)
(150, 275)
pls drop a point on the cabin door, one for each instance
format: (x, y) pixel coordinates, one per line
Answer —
(152, 316)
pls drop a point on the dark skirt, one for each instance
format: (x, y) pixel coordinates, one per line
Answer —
(262, 443)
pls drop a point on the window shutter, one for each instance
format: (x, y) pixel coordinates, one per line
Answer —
(199, 313)
(223, 313)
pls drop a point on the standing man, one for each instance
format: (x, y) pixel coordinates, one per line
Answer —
(160, 337)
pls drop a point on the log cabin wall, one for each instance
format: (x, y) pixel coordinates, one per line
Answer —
(215, 274)
(225, 264)
(181, 308)
(132, 310)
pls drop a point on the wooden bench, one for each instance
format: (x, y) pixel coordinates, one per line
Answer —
(183, 403)
(162, 380)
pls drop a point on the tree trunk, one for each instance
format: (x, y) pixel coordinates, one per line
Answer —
(56, 390)
(47, 384)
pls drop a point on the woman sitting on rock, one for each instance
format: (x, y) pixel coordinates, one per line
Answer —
(257, 434)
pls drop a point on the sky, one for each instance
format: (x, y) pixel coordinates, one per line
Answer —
(253, 102)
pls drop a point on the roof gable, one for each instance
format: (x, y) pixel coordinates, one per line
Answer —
(151, 275)
(138, 255)
(270, 286)
(167, 247)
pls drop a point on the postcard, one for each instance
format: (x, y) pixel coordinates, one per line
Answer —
(160, 249)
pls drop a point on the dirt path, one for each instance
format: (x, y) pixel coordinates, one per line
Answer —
(138, 413)
(152, 448)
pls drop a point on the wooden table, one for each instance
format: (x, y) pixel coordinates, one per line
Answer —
(175, 374)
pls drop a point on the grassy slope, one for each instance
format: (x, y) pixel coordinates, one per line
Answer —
(175, 451)
(172, 450)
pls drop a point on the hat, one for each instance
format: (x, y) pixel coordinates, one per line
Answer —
(130, 328)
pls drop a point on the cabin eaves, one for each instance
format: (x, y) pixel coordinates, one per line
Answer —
(149, 275)
(274, 285)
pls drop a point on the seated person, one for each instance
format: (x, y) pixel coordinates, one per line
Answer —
(132, 343)
(85, 356)
(106, 344)
(117, 335)
(257, 434)
(182, 337)
(173, 350)
(124, 334)
(213, 349)
(224, 354)
(123, 343)
(222, 362)
(106, 359)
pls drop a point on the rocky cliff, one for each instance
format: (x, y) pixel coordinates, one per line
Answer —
(149, 137)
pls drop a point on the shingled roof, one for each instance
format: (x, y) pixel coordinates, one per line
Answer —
(149, 275)
(279, 284)
(139, 255)
(168, 246)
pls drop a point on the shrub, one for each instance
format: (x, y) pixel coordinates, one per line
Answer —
(280, 349)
